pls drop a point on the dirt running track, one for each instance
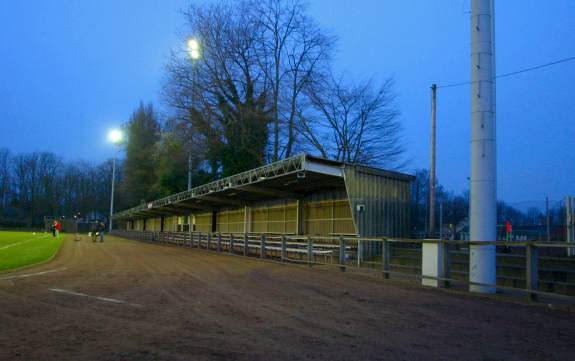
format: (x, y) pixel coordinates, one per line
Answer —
(167, 303)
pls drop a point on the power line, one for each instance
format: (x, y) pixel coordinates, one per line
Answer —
(564, 60)
(453, 85)
(536, 67)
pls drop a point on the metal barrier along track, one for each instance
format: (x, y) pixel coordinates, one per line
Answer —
(524, 270)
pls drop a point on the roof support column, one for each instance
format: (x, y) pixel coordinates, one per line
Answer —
(300, 224)
(247, 219)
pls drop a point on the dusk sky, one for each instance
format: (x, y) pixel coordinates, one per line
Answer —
(71, 70)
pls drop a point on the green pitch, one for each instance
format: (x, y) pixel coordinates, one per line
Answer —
(19, 249)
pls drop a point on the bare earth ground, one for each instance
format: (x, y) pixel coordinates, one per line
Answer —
(182, 304)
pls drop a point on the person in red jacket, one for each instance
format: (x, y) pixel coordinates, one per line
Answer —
(508, 230)
(58, 227)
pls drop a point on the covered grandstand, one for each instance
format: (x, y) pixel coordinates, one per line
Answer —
(301, 195)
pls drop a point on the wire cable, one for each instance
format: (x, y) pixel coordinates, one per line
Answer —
(535, 67)
(504, 75)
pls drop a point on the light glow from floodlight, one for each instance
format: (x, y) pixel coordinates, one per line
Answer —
(193, 44)
(194, 48)
(115, 136)
(194, 54)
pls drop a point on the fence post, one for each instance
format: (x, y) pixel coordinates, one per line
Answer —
(263, 246)
(246, 245)
(200, 240)
(532, 279)
(284, 247)
(358, 253)
(309, 251)
(219, 246)
(385, 256)
(342, 254)
(190, 230)
(231, 250)
(446, 264)
(209, 241)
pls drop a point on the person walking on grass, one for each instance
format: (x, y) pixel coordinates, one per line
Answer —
(53, 228)
(94, 228)
(101, 229)
(58, 227)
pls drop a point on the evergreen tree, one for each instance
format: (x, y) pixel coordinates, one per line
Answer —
(171, 165)
(139, 175)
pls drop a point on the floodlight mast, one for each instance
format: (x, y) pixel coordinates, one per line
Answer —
(194, 52)
(115, 136)
(483, 202)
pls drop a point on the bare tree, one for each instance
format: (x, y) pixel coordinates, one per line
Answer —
(225, 98)
(354, 123)
(293, 48)
(279, 19)
(257, 58)
(5, 178)
(42, 184)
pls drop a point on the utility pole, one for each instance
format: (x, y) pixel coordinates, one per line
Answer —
(483, 204)
(432, 165)
(548, 219)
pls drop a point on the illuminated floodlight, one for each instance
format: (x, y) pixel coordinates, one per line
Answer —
(194, 48)
(193, 44)
(115, 136)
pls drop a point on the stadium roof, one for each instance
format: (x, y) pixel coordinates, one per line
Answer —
(291, 178)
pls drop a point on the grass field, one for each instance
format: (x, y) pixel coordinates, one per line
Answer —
(19, 249)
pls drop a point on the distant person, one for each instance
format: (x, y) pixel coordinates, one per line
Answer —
(508, 230)
(101, 229)
(94, 228)
(53, 228)
(58, 227)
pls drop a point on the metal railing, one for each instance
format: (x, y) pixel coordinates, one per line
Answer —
(525, 270)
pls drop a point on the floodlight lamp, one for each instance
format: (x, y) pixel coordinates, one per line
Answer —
(194, 54)
(193, 44)
(115, 136)
(194, 48)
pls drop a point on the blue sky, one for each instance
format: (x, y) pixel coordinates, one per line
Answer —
(71, 70)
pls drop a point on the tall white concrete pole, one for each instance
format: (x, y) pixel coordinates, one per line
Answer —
(483, 203)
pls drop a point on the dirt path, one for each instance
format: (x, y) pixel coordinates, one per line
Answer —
(123, 300)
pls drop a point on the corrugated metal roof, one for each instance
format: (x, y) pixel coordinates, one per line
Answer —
(293, 177)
